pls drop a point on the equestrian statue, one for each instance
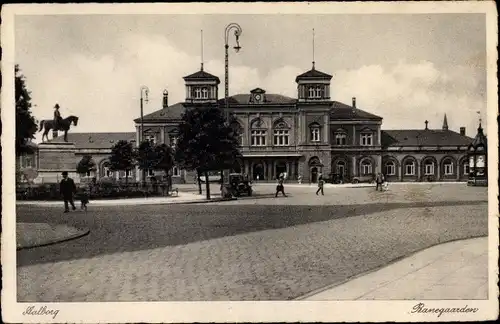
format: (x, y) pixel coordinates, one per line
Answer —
(57, 124)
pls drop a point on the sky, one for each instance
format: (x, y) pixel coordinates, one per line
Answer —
(404, 68)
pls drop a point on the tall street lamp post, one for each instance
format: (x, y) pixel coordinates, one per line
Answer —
(237, 32)
(144, 97)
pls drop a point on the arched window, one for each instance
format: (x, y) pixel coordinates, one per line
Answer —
(390, 168)
(409, 167)
(175, 171)
(366, 167)
(448, 167)
(258, 133)
(429, 167)
(281, 133)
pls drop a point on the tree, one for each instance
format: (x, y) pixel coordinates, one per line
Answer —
(122, 157)
(205, 142)
(25, 122)
(164, 160)
(85, 165)
(146, 156)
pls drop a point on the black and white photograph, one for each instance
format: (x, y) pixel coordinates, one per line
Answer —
(277, 162)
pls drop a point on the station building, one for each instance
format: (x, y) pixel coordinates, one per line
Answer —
(304, 136)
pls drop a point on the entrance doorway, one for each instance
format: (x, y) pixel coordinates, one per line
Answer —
(314, 174)
(280, 168)
(258, 171)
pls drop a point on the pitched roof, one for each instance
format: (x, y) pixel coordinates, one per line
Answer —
(171, 112)
(423, 137)
(480, 138)
(95, 140)
(313, 74)
(341, 111)
(201, 75)
(244, 99)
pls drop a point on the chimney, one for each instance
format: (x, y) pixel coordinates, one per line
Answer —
(462, 131)
(354, 102)
(426, 124)
(165, 98)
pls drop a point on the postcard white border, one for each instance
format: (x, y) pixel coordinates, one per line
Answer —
(282, 311)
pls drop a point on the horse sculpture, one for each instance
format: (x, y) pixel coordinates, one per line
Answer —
(64, 125)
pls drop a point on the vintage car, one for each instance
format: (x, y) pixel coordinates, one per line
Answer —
(369, 178)
(239, 184)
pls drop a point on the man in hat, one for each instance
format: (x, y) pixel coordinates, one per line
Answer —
(57, 117)
(67, 188)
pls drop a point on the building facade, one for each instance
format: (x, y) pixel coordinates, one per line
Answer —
(313, 134)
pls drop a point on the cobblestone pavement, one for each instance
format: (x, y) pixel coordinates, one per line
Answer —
(277, 249)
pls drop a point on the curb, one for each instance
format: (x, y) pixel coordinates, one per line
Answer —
(84, 232)
(117, 202)
(335, 285)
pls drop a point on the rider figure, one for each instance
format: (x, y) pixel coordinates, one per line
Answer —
(57, 117)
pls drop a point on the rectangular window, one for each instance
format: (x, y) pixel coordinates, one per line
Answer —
(429, 169)
(410, 169)
(197, 93)
(315, 137)
(366, 139)
(366, 169)
(281, 137)
(466, 169)
(340, 139)
(258, 138)
(150, 172)
(448, 169)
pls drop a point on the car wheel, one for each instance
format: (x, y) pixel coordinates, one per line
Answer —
(355, 181)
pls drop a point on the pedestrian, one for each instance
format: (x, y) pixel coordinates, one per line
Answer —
(321, 183)
(379, 179)
(68, 189)
(84, 195)
(280, 187)
(300, 179)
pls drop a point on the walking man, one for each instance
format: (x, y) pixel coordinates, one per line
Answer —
(379, 180)
(280, 187)
(321, 183)
(67, 189)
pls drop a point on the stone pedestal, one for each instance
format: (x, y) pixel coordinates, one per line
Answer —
(53, 159)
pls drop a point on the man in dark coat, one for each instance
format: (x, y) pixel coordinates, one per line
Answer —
(67, 188)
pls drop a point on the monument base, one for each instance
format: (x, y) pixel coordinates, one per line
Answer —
(54, 158)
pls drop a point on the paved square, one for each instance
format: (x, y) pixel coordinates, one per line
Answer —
(258, 248)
